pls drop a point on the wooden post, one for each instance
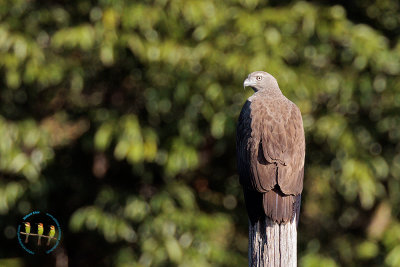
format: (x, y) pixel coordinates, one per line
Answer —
(272, 244)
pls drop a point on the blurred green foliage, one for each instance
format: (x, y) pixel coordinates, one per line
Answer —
(118, 117)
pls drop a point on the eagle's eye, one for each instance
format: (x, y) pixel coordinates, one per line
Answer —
(259, 78)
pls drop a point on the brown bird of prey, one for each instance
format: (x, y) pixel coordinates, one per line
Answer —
(270, 150)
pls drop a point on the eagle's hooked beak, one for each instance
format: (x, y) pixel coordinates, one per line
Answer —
(248, 82)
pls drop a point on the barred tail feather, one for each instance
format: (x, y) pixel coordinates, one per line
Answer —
(279, 207)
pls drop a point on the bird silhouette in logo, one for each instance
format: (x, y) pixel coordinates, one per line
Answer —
(27, 231)
(40, 232)
(52, 232)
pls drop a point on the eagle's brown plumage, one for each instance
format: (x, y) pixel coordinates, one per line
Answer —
(270, 151)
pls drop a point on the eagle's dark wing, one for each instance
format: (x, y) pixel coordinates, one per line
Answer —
(254, 171)
(271, 151)
(245, 151)
(290, 176)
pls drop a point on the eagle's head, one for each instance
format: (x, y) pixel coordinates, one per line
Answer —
(261, 80)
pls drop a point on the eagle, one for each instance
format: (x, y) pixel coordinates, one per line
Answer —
(270, 147)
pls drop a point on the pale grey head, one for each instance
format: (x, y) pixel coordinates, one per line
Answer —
(261, 80)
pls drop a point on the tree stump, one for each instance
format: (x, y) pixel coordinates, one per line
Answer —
(272, 244)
